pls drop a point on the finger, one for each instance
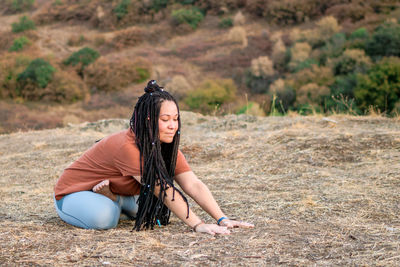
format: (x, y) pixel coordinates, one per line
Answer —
(210, 232)
(223, 230)
(245, 225)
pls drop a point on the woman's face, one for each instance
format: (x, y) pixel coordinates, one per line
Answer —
(168, 121)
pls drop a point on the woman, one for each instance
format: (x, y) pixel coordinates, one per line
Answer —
(133, 172)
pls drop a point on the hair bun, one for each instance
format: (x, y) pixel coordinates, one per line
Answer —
(152, 86)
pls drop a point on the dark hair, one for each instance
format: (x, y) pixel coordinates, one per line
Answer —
(157, 160)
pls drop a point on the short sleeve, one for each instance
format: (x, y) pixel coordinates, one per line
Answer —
(181, 164)
(127, 160)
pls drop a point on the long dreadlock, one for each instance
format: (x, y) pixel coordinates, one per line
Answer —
(158, 160)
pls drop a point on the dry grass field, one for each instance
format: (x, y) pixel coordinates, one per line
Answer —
(320, 191)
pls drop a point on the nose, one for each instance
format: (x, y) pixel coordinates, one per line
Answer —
(171, 125)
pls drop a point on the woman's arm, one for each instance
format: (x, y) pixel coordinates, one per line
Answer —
(179, 207)
(200, 193)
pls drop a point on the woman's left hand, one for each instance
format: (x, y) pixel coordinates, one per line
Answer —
(235, 224)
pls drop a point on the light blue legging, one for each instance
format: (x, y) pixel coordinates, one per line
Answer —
(90, 210)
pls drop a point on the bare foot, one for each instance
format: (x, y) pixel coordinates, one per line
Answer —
(104, 189)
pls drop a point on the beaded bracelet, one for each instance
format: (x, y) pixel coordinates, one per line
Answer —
(220, 219)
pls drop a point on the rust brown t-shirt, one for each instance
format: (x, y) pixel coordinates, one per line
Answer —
(116, 158)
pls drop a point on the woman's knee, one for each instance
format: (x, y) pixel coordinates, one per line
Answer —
(105, 218)
(89, 210)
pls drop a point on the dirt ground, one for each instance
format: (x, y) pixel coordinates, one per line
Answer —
(320, 191)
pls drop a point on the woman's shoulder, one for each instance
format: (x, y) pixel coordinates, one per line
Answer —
(120, 139)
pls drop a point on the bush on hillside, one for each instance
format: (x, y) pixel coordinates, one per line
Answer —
(38, 73)
(19, 44)
(353, 12)
(82, 58)
(284, 95)
(252, 108)
(66, 87)
(211, 95)
(76, 40)
(326, 28)
(262, 67)
(279, 55)
(121, 9)
(6, 40)
(17, 6)
(352, 60)
(289, 12)
(239, 19)
(112, 75)
(322, 76)
(360, 33)
(298, 54)
(178, 87)
(127, 38)
(158, 5)
(384, 6)
(256, 7)
(256, 84)
(225, 23)
(342, 95)
(238, 35)
(358, 39)
(24, 24)
(10, 66)
(191, 17)
(260, 75)
(380, 87)
(333, 48)
(385, 41)
(311, 94)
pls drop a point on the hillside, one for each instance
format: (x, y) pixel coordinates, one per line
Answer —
(217, 57)
(320, 191)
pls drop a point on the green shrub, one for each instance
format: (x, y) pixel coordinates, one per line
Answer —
(16, 6)
(352, 60)
(344, 85)
(211, 95)
(157, 5)
(333, 48)
(360, 33)
(342, 95)
(283, 96)
(306, 64)
(257, 84)
(19, 44)
(39, 71)
(358, 39)
(82, 58)
(143, 74)
(190, 16)
(122, 9)
(385, 41)
(186, 2)
(380, 87)
(225, 23)
(252, 108)
(24, 24)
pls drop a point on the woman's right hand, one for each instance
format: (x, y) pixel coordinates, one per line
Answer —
(212, 229)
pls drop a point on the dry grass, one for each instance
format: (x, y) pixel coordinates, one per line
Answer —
(320, 191)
